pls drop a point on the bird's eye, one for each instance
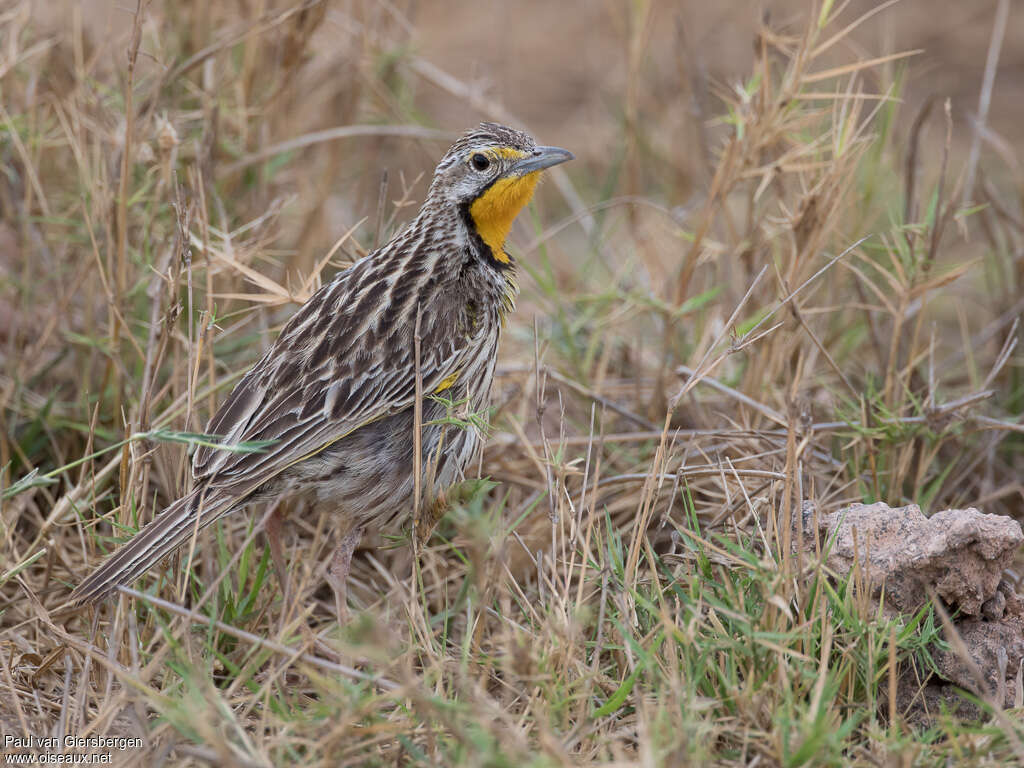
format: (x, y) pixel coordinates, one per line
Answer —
(480, 162)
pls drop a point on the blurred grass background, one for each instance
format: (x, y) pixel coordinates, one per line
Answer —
(689, 363)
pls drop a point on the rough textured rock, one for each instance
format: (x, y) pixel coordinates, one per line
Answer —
(960, 553)
(986, 641)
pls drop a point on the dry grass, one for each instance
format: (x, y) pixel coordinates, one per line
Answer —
(830, 316)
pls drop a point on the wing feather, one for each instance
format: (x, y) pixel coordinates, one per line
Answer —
(282, 401)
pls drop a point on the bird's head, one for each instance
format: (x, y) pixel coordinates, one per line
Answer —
(490, 174)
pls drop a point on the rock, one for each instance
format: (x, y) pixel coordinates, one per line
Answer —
(986, 641)
(958, 553)
(994, 608)
(1014, 603)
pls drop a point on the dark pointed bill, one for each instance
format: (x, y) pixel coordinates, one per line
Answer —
(541, 158)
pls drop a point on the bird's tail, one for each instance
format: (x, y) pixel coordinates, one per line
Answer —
(164, 535)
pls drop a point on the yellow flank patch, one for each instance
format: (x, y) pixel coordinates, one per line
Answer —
(495, 210)
(446, 382)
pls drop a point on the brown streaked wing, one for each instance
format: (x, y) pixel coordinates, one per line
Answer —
(247, 405)
(237, 410)
(272, 404)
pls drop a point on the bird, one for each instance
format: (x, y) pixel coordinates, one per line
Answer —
(413, 325)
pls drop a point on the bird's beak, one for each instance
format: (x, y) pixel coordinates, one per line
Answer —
(539, 159)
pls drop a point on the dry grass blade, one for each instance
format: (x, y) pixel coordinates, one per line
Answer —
(750, 302)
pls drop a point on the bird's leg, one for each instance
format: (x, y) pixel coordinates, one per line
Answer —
(272, 528)
(337, 572)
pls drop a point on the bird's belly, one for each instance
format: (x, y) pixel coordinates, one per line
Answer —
(369, 475)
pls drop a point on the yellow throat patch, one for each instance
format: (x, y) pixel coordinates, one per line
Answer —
(495, 210)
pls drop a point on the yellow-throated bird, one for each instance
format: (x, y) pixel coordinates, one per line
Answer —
(335, 395)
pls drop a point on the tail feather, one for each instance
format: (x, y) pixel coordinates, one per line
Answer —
(164, 535)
